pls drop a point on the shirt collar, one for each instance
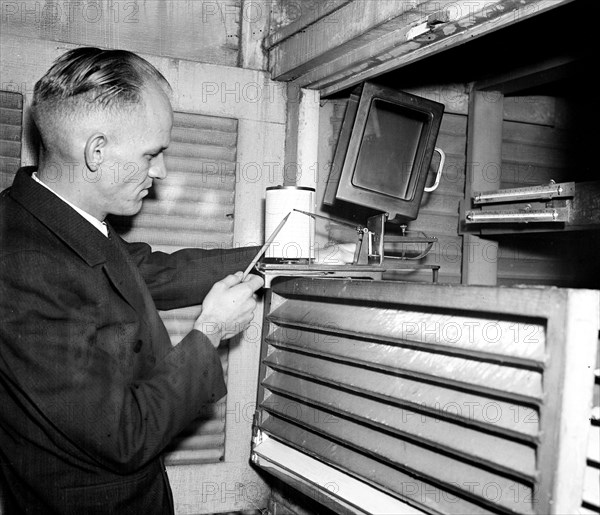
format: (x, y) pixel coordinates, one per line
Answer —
(101, 226)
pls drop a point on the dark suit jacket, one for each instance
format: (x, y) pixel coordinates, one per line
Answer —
(91, 389)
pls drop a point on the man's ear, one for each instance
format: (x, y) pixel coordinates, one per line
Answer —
(95, 149)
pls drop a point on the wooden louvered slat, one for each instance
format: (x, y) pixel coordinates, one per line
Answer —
(391, 479)
(200, 166)
(206, 137)
(465, 407)
(181, 239)
(203, 441)
(193, 207)
(204, 123)
(10, 132)
(195, 151)
(10, 149)
(300, 394)
(489, 377)
(401, 386)
(492, 339)
(203, 179)
(10, 116)
(183, 225)
(191, 210)
(11, 126)
(11, 100)
(428, 463)
(591, 486)
(191, 194)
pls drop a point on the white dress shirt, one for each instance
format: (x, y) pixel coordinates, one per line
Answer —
(98, 224)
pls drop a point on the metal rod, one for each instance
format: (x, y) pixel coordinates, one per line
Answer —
(264, 248)
(339, 222)
(551, 215)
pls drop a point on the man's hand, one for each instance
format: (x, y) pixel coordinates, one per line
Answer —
(229, 307)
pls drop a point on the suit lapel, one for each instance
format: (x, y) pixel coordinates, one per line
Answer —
(81, 236)
(126, 278)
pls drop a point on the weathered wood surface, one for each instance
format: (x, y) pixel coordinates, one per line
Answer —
(361, 39)
(204, 31)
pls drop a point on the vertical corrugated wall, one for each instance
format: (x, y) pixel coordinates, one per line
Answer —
(193, 207)
(11, 127)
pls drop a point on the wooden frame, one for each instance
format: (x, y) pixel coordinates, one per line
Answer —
(565, 360)
(357, 40)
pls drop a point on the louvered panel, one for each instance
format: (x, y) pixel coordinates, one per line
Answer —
(206, 137)
(191, 188)
(183, 239)
(203, 441)
(199, 180)
(431, 465)
(389, 478)
(511, 418)
(300, 395)
(10, 133)
(10, 111)
(8, 168)
(192, 207)
(164, 220)
(190, 210)
(196, 151)
(591, 488)
(11, 126)
(204, 124)
(444, 397)
(206, 167)
(10, 149)
(493, 339)
(488, 377)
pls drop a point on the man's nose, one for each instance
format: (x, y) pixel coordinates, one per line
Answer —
(157, 169)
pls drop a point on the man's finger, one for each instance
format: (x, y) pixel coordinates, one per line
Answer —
(232, 280)
(254, 281)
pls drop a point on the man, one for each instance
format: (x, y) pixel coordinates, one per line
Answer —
(91, 389)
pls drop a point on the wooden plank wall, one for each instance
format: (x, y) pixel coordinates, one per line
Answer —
(205, 31)
(438, 215)
(544, 139)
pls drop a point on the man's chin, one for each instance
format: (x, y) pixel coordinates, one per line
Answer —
(130, 210)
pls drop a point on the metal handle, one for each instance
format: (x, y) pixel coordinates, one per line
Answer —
(439, 171)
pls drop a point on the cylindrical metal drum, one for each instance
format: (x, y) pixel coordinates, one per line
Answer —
(295, 241)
